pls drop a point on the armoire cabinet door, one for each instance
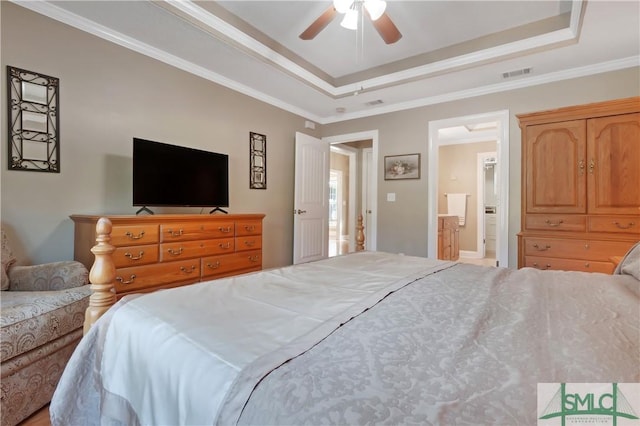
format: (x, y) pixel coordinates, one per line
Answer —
(613, 147)
(556, 167)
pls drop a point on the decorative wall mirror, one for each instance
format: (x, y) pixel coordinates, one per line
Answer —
(34, 121)
(258, 160)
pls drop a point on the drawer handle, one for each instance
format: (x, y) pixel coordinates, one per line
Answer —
(214, 266)
(173, 252)
(132, 257)
(254, 258)
(249, 243)
(621, 226)
(547, 266)
(135, 237)
(249, 228)
(175, 233)
(537, 247)
(558, 223)
(225, 246)
(188, 270)
(132, 278)
(225, 230)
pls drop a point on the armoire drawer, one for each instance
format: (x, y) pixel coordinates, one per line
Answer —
(555, 222)
(574, 249)
(216, 265)
(189, 249)
(616, 224)
(150, 276)
(560, 264)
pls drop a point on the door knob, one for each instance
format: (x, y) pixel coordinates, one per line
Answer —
(301, 211)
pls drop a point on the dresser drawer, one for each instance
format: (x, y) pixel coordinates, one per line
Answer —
(216, 265)
(549, 263)
(248, 227)
(150, 276)
(195, 231)
(128, 235)
(189, 249)
(555, 222)
(574, 249)
(135, 255)
(617, 224)
(251, 242)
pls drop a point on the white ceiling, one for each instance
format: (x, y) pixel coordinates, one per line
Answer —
(449, 49)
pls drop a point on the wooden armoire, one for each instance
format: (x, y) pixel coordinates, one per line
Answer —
(580, 186)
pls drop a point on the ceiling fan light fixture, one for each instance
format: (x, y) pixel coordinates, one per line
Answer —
(375, 8)
(350, 20)
(342, 6)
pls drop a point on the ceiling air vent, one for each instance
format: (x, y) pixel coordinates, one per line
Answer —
(510, 74)
(376, 102)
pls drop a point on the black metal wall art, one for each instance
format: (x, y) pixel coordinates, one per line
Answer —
(258, 161)
(34, 121)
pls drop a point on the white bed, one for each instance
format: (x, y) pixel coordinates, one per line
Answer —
(366, 338)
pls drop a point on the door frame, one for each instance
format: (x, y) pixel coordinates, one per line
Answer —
(365, 187)
(351, 210)
(359, 136)
(502, 148)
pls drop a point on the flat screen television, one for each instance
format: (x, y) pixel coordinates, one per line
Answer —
(167, 175)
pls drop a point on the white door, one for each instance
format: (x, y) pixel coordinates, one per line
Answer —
(367, 201)
(311, 200)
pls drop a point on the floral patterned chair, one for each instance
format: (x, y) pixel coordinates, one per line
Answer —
(42, 311)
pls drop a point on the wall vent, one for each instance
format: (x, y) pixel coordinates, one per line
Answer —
(510, 74)
(376, 102)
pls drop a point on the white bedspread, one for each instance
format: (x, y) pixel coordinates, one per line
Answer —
(231, 323)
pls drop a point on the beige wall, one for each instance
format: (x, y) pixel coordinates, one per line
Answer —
(108, 95)
(458, 173)
(403, 225)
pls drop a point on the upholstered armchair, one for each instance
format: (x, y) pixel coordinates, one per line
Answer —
(41, 317)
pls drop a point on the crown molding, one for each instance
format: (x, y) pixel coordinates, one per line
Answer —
(615, 65)
(50, 10)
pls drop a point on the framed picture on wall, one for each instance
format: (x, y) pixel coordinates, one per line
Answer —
(405, 166)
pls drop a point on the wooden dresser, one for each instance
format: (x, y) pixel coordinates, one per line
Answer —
(161, 251)
(448, 237)
(580, 185)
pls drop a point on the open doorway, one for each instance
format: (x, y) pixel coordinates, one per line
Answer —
(461, 131)
(359, 189)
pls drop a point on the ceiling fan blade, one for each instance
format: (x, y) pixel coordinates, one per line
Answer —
(319, 24)
(387, 29)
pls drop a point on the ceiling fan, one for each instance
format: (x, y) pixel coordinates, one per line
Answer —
(374, 9)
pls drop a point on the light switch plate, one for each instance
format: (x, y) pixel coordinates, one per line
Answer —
(391, 196)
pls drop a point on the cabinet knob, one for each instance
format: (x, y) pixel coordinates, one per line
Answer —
(558, 223)
(134, 237)
(175, 233)
(622, 226)
(173, 252)
(131, 279)
(132, 257)
(188, 270)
